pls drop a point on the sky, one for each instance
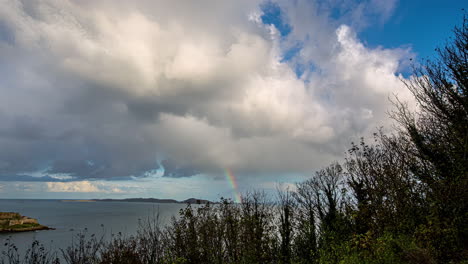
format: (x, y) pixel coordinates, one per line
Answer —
(206, 98)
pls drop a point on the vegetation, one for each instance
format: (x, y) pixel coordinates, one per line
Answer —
(24, 226)
(401, 199)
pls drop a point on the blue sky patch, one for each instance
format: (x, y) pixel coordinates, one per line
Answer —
(424, 25)
(291, 52)
(272, 15)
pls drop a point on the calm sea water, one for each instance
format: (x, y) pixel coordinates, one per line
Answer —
(70, 218)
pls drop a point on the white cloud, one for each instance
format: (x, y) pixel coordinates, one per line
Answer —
(81, 187)
(124, 85)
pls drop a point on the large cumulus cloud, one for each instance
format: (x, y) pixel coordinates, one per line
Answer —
(109, 89)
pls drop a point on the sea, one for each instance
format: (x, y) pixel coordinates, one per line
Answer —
(71, 218)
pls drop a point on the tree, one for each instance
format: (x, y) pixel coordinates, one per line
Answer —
(322, 218)
(305, 241)
(438, 136)
(286, 208)
(386, 195)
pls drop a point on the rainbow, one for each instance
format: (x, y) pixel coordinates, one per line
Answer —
(233, 182)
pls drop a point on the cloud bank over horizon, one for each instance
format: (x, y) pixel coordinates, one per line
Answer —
(122, 91)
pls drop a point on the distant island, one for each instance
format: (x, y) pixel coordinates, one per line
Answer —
(153, 200)
(79, 201)
(14, 222)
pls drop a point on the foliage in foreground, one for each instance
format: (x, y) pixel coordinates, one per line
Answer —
(402, 199)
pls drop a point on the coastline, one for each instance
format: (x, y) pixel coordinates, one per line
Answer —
(27, 229)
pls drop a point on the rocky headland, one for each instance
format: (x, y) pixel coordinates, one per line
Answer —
(14, 222)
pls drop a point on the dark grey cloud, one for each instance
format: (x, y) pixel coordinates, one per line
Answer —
(175, 170)
(28, 178)
(7, 36)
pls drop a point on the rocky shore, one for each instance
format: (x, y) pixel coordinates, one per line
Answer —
(14, 222)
